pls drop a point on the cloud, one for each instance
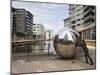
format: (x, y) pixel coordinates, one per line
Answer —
(58, 27)
(48, 27)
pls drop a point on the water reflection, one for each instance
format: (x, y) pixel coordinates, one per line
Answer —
(38, 47)
(35, 48)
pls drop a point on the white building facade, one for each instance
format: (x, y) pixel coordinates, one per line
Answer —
(67, 22)
(76, 15)
(38, 31)
(49, 34)
(82, 19)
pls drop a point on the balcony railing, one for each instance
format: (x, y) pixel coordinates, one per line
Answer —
(88, 12)
(79, 28)
(88, 18)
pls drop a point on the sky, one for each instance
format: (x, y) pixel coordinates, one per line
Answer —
(51, 15)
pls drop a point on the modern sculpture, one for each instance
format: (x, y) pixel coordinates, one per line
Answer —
(66, 41)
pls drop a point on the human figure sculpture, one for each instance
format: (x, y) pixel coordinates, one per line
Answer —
(86, 51)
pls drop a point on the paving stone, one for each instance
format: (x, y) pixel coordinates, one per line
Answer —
(45, 63)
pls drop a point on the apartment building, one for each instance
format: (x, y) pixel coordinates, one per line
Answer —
(22, 24)
(82, 19)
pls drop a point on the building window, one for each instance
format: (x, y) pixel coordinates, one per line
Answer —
(34, 29)
(78, 24)
(78, 9)
(73, 16)
(73, 26)
(78, 19)
(18, 20)
(78, 14)
(82, 18)
(73, 8)
(73, 22)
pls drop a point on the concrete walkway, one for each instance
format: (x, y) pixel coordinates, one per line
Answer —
(48, 63)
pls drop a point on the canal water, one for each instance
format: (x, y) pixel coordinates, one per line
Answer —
(45, 47)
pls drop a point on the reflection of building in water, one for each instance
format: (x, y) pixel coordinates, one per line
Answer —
(38, 31)
(49, 34)
(37, 47)
(82, 19)
(22, 24)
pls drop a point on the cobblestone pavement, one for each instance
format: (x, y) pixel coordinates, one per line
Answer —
(46, 63)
